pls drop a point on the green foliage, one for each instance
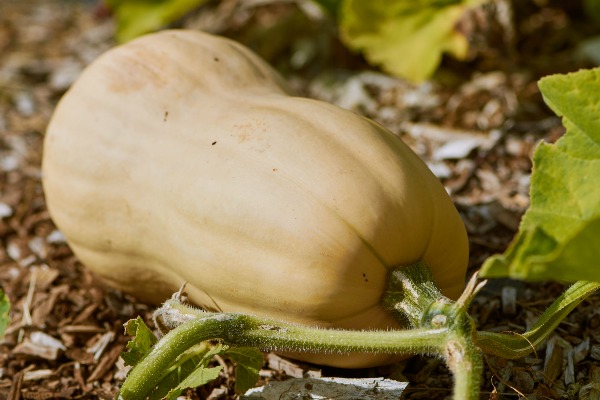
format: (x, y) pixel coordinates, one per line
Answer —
(249, 361)
(406, 37)
(4, 312)
(189, 371)
(136, 17)
(558, 236)
(143, 341)
(191, 368)
(198, 377)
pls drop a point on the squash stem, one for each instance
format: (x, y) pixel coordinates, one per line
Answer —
(438, 326)
(409, 293)
(412, 297)
(268, 334)
(465, 362)
(462, 356)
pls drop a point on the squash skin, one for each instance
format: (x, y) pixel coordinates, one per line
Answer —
(182, 157)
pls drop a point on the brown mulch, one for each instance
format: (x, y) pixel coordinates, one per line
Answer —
(476, 127)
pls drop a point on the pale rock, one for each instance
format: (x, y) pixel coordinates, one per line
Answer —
(329, 388)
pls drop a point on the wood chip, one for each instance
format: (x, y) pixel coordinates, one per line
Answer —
(107, 362)
(42, 311)
(37, 374)
(509, 300)
(97, 349)
(15, 390)
(582, 350)
(81, 329)
(553, 363)
(36, 350)
(569, 373)
(45, 276)
(43, 339)
(79, 378)
(291, 368)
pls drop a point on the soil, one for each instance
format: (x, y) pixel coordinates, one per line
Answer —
(476, 124)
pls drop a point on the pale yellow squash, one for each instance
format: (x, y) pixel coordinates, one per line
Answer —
(182, 157)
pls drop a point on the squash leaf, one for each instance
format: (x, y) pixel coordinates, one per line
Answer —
(558, 236)
(4, 312)
(198, 377)
(141, 344)
(406, 37)
(137, 17)
(249, 361)
(189, 371)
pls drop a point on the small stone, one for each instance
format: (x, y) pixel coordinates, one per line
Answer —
(9, 162)
(56, 236)
(25, 104)
(456, 149)
(440, 169)
(13, 250)
(64, 76)
(329, 388)
(5, 210)
(38, 246)
(514, 146)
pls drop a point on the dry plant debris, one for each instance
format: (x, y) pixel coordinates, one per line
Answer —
(476, 133)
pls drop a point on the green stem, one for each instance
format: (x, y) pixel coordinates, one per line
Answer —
(409, 293)
(269, 334)
(462, 356)
(465, 362)
(440, 326)
(512, 346)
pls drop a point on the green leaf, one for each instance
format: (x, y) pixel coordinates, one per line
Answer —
(141, 344)
(198, 377)
(190, 370)
(406, 37)
(137, 17)
(249, 362)
(4, 312)
(558, 236)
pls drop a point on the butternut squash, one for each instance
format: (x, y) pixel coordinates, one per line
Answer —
(183, 157)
